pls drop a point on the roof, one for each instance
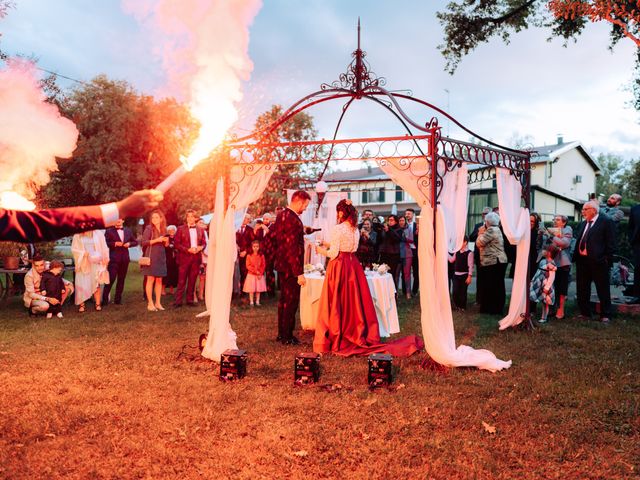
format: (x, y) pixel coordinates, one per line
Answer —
(372, 173)
(551, 152)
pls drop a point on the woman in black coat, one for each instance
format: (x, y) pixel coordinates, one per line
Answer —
(390, 246)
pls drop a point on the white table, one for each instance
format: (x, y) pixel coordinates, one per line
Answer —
(382, 291)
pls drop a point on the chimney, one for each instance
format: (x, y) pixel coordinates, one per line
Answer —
(560, 139)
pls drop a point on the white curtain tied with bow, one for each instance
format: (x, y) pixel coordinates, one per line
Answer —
(223, 252)
(515, 223)
(436, 316)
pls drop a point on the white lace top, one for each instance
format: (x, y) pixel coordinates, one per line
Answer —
(344, 238)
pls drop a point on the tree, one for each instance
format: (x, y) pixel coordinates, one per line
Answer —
(610, 179)
(127, 142)
(468, 24)
(297, 129)
(630, 178)
(5, 5)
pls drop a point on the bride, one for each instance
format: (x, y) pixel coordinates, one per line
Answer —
(347, 322)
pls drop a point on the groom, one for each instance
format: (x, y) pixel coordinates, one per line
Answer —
(289, 263)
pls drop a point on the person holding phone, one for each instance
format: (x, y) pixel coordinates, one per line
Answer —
(154, 241)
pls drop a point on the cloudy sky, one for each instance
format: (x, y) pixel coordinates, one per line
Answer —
(530, 87)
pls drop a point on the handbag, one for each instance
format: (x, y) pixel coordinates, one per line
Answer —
(145, 261)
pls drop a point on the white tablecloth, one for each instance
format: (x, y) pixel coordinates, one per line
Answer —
(382, 291)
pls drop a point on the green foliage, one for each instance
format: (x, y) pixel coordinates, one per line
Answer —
(297, 129)
(127, 142)
(630, 178)
(610, 179)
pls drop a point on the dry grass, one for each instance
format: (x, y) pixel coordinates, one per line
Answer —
(104, 396)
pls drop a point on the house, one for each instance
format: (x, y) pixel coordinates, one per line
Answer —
(563, 176)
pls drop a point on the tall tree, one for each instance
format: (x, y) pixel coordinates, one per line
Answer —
(287, 175)
(127, 142)
(610, 179)
(5, 5)
(468, 24)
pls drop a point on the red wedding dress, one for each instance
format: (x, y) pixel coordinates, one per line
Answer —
(347, 323)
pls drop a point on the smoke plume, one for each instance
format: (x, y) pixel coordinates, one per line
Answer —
(203, 45)
(32, 131)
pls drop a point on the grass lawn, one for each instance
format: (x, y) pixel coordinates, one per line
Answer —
(104, 395)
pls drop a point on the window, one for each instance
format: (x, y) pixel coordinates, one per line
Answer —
(348, 190)
(399, 194)
(373, 195)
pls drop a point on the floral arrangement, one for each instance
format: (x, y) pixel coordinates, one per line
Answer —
(380, 268)
(317, 268)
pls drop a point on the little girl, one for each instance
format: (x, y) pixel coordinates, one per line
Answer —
(542, 281)
(255, 281)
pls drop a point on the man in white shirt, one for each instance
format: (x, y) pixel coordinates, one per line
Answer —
(34, 299)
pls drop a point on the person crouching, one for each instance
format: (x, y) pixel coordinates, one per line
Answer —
(53, 287)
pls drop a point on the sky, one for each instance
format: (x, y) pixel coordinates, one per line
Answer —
(531, 87)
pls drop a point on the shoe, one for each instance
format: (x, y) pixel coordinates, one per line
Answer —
(151, 308)
(258, 304)
(632, 301)
(98, 307)
(542, 320)
(81, 308)
(118, 302)
(160, 307)
(59, 315)
(292, 341)
(582, 317)
(605, 320)
(49, 315)
(279, 338)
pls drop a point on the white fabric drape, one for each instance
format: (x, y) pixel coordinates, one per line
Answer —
(223, 252)
(453, 200)
(515, 223)
(436, 317)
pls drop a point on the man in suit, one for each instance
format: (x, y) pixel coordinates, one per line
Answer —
(189, 243)
(409, 215)
(264, 232)
(634, 240)
(593, 256)
(119, 239)
(48, 225)
(289, 263)
(244, 236)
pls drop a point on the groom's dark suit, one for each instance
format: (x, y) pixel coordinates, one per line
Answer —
(289, 263)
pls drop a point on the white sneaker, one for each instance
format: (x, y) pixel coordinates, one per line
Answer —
(49, 315)
(59, 315)
(258, 304)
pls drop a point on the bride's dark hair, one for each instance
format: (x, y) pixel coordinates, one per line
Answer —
(349, 212)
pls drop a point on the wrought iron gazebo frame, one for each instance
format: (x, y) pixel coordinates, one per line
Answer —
(443, 154)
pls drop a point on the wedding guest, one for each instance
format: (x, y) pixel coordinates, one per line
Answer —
(612, 208)
(265, 233)
(390, 246)
(406, 256)
(634, 240)
(255, 282)
(244, 236)
(493, 264)
(202, 273)
(560, 236)
(52, 286)
(189, 243)
(541, 289)
(34, 299)
(171, 280)
(462, 262)
(593, 256)
(376, 227)
(119, 239)
(91, 257)
(473, 236)
(412, 234)
(368, 244)
(154, 242)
